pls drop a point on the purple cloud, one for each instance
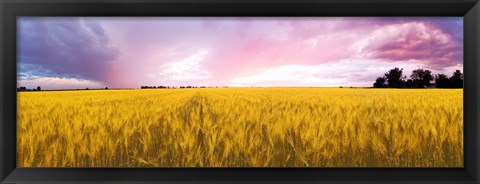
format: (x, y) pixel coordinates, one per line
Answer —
(307, 51)
(65, 48)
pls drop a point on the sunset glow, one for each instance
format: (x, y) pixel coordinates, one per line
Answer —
(67, 53)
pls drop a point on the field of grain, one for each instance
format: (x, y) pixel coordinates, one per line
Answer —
(241, 127)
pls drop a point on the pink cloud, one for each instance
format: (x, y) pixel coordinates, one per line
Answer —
(414, 40)
(156, 51)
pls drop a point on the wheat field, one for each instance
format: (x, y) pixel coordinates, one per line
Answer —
(241, 127)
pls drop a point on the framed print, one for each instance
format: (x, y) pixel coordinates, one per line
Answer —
(239, 91)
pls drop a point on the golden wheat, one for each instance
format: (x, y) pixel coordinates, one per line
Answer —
(241, 127)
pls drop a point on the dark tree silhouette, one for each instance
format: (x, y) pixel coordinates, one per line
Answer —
(410, 83)
(457, 79)
(421, 78)
(381, 82)
(395, 78)
(23, 88)
(442, 81)
(39, 88)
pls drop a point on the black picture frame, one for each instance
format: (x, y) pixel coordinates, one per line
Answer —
(11, 9)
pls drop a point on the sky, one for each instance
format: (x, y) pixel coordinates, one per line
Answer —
(121, 52)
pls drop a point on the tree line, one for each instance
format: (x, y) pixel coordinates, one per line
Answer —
(420, 78)
(173, 87)
(23, 88)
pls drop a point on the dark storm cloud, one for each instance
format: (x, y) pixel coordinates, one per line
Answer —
(64, 48)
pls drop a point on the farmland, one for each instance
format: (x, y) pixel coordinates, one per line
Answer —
(241, 127)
